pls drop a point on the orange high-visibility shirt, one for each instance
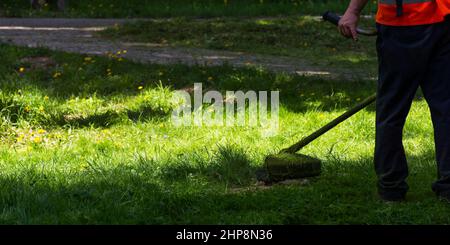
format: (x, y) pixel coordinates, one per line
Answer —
(415, 12)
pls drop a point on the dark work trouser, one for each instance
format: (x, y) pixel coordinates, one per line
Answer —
(410, 57)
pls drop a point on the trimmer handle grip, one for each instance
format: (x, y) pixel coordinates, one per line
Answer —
(331, 17)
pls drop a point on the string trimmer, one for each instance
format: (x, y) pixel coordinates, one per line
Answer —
(288, 164)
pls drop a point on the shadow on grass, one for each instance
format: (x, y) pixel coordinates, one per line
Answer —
(344, 194)
(230, 164)
(111, 117)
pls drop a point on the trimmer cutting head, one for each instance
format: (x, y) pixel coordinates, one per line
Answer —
(285, 166)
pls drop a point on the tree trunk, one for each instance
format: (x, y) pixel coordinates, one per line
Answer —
(61, 4)
(35, 4)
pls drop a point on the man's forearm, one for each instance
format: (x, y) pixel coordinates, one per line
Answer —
(356, 6)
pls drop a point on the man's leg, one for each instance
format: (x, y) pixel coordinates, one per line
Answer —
(436, 89)
(61, 5)
(403, 56)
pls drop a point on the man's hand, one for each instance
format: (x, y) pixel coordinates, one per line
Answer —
(348, 24)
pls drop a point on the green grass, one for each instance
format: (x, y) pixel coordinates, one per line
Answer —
(88, 147)
(176, 8)
(302, 37)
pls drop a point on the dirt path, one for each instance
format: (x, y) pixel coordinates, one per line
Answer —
(79, 36)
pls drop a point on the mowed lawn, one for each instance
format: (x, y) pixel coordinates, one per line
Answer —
(305, 37)
(88, 140)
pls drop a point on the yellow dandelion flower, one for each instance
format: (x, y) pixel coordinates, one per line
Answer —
(27, 109)
(210, 78)
(83, 167)
(22, 69)
(37, 140)
(57, 74)
(42, 131)
(20, 138)
(46, 97)
(124, 51)
(141, 87)
(87, 59)
(41, 109)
